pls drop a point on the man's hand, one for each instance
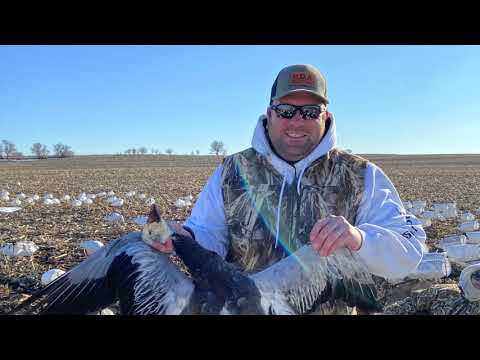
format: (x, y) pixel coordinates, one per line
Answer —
(332, 233)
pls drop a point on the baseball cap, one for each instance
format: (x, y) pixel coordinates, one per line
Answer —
(297, 78)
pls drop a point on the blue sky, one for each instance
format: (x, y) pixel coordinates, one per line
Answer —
(106, 99)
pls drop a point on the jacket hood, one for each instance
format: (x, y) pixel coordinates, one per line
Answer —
(260, 144)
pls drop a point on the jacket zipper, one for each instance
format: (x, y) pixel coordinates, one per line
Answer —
(290, 208)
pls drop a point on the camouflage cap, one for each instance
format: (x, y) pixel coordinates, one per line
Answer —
(297, 78)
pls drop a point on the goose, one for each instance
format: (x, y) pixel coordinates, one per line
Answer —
(147, 282)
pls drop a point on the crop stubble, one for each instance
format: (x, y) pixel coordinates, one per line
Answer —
(58, 229)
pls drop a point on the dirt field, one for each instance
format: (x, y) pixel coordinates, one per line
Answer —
(58, 229)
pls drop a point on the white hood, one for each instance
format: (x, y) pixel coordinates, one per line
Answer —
(261, 145)
(289, 172)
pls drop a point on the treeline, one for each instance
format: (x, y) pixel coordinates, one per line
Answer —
(216, 147)
(8, 150)
(144, 151)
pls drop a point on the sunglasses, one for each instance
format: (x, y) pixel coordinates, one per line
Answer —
(308, 112)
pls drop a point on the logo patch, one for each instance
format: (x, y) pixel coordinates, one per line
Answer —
(301, 78)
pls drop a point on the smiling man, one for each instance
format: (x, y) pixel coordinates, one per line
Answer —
(294, 187)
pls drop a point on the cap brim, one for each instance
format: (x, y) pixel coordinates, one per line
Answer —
(301, 90)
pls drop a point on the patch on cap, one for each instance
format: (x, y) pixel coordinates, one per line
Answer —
(301, 78)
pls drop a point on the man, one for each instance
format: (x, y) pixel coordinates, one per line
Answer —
(293, 187)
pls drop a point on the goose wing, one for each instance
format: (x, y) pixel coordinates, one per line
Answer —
(145, 281)
(296, 284)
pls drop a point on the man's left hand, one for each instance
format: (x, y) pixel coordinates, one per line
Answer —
(334, 232)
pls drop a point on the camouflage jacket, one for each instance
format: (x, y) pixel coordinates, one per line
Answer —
(439, 299)
(252, 193)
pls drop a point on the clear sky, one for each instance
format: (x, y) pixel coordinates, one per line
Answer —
(106, 99)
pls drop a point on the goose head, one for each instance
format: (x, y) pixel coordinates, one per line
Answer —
(157, 233)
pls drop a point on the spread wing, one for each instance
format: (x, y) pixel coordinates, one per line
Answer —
(145, 282)
(301, 281)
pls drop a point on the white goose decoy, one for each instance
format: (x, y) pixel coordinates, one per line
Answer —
(29, 200)
(91, 246)
(21, 196)
(150, 201)
(15, 202)
(51, 275)
(147, 282)
(76, 203)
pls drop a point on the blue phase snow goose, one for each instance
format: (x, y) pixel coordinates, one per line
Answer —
(147, 282)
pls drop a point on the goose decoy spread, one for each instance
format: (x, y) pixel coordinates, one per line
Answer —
(146, 282)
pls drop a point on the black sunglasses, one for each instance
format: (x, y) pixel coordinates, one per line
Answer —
(288, 111)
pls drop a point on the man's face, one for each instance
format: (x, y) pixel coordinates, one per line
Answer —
(295, 138)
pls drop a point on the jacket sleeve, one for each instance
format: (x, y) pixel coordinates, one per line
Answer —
(392, 239)
(207, 219)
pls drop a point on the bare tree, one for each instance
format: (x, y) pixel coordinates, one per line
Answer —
(1, 151)
(9, 148)
(40, 151)
(142, 150)
(62, 150)
(197, 152)
(217, 147)
(128, 151)
(169, 151)
(134, 151)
